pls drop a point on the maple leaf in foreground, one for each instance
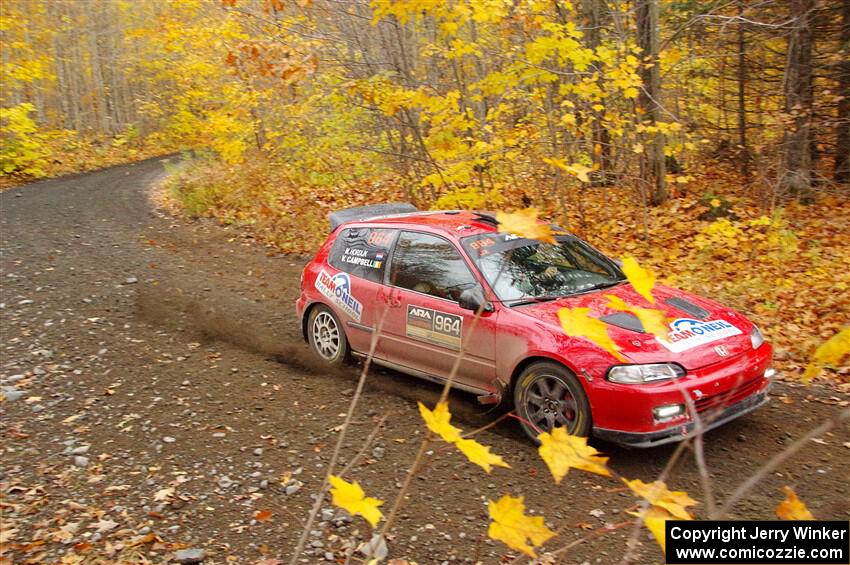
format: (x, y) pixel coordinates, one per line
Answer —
(524, 223)
(654, 321)
(657, 494)
(511, 526)
(654, 518)
(480, 454)
(562, 451)
(641, 279)
(350, 497)
(792, 508)
(438, 421)
(828, 353)
(576, 323)
(576, 169)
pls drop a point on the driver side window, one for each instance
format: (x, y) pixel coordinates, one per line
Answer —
(431, 265)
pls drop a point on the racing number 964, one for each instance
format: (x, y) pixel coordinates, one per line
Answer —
(447, 324)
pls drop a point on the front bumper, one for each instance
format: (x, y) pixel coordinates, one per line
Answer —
(680, 432)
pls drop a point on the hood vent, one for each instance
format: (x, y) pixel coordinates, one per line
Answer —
(624, 320)
(688, 307)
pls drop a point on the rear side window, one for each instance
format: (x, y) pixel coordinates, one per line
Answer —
(431, 265)
(362, 252)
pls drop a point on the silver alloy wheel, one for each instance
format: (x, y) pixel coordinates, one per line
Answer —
(326, 336)
(549, 403)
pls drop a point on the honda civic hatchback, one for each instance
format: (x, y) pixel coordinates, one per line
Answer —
(418, 289)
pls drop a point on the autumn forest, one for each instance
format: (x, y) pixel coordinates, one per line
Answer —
(686, 132)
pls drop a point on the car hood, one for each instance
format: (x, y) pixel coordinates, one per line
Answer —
(697, 326)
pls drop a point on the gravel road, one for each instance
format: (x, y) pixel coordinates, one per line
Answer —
(158, 395)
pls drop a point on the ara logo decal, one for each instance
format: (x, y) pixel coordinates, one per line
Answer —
(686, 333)
(338, 289)
(416, 312)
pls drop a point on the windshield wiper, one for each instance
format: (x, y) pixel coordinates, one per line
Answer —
(549, 298)
(533, 300)
(599, 286)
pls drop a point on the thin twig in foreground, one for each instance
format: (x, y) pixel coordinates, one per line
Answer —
(320, 496)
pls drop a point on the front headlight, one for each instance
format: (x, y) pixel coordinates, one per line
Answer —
(756, 337)
(640, 374)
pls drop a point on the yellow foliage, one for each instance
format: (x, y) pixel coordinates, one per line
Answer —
(562, 451)
(576, 323)
(22, 149)
(653, 321)
(654, 519)
(792, 508)
(512, 527)
(643, 280)
(480, 454)
(828, 353)
(524, 223)
(438, 421)
(350, 497)
(576, 169)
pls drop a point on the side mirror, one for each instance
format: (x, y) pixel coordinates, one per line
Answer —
(473, 299)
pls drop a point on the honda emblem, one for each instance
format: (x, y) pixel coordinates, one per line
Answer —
(721, 350)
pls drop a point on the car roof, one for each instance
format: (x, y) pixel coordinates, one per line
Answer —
(460, 223)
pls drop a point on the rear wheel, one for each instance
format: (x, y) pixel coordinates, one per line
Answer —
(326, 336)
(548, 395)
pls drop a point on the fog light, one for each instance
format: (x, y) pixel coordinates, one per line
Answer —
(668, 412)
(769, 374)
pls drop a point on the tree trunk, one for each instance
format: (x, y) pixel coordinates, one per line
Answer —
(601, 139)
(744, 151)
(842, 133)
(652, 160)
(796, 172)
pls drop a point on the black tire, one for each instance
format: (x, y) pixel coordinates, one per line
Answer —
(326, 336)
(547, 394)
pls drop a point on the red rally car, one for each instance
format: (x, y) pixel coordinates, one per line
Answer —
(417, 279)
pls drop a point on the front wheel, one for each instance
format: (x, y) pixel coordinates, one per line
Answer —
(548, 395)
(326, 336)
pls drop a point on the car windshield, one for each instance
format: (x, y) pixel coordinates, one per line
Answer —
(523, 270)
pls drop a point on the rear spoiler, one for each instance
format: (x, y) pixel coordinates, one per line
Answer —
(368, 212)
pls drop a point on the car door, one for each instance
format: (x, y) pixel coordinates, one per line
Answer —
(355, 293)
(425, 327)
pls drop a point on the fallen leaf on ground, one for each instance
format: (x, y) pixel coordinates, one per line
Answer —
(792, 508)
(263, 515)
(163, 494)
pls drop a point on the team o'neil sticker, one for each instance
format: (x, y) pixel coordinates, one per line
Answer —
(338, 289)
(686, 333)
